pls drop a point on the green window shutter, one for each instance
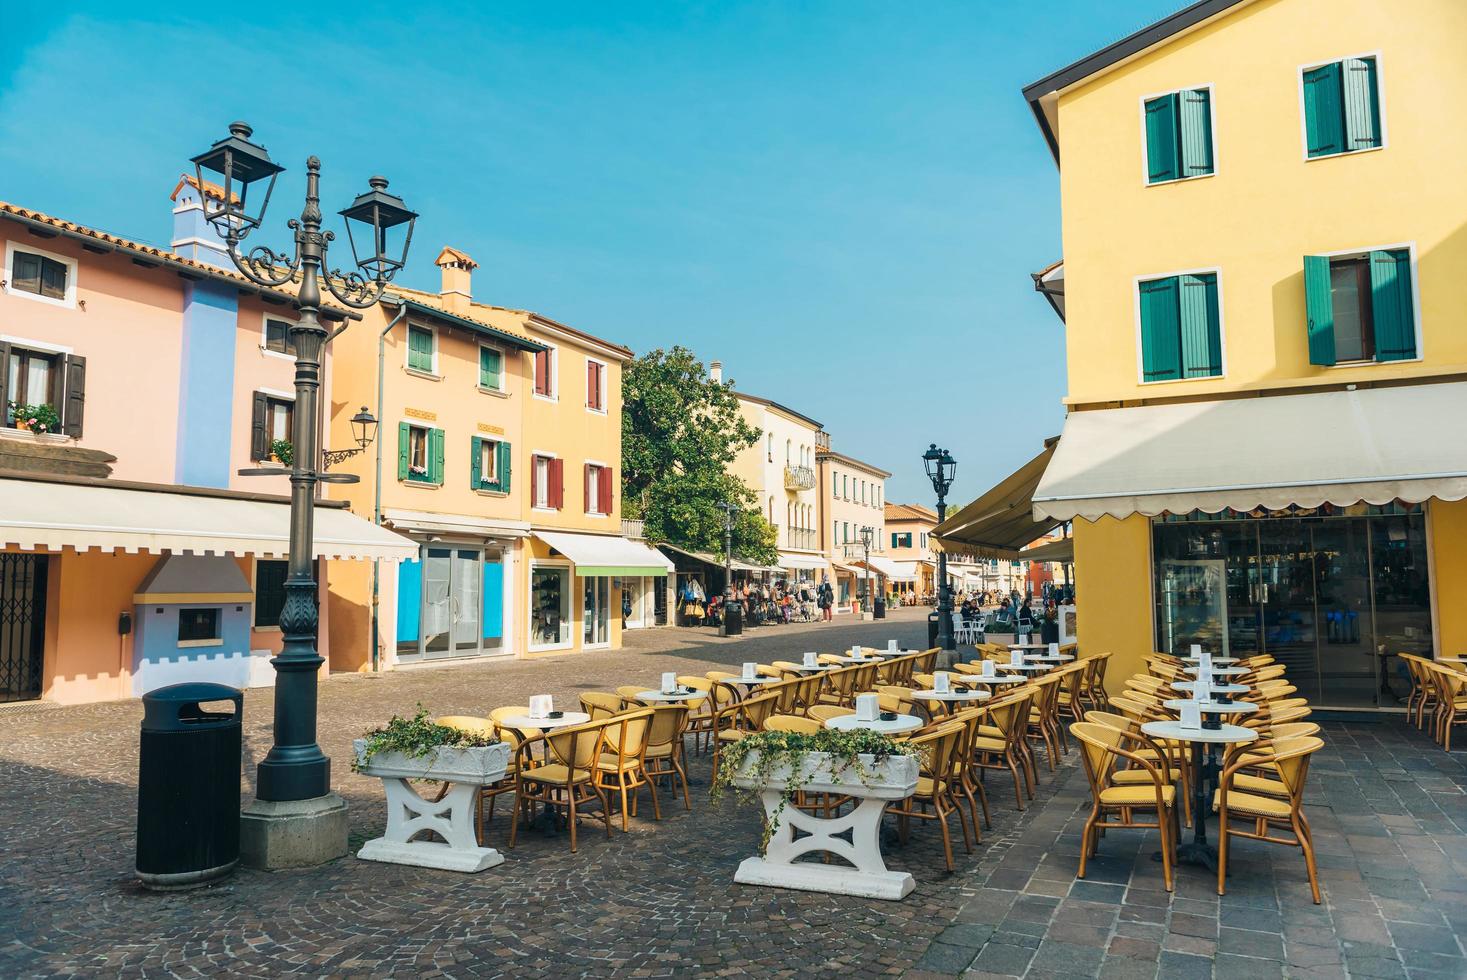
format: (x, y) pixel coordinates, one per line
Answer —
(435, 456)
(402, 450)
(504, 455)
(1319, 303)
(1392, 305)
(1161, 349)
(475, 476)
(1201, 332)
(1324, 116)
(1163, 157)
(489, 368)
(420, 349)
(1359, 86)
(1196, 126)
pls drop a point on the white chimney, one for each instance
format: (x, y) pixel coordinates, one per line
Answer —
(715, 372)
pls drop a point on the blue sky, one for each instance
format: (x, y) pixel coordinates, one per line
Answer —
(840, 200)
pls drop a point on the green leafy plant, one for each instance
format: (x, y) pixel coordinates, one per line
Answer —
(37, 418)
(416, 738)
(776, 750)
(282, 450)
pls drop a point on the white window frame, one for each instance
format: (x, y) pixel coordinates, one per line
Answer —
(265, 319)
(605, 374)
(493, 443)
(1379, 95)
(1410, 248)
(604, 469)
(575, 621)
(1222, 325)
(503, 366)
(67, 302)
(535, 504)
(424, 483)
(552, 367)
(276, 394)
(1211, 121)
(407, 351)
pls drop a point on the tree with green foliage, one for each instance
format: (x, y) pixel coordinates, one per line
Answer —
(680, 434)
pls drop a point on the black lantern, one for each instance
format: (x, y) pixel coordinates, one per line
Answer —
(941, 468)
(378, 212)
(239, 163)
(867, 533)
(364, 427)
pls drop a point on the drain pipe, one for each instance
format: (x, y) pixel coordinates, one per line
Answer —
(402, 311)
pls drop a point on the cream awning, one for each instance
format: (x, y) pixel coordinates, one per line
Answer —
(1062, 550)
(1002, 521)
(84, 515)
(884, 566)
(607, 554)
(793, 561)
(712, 559)
(904, 571)
(1375, 445)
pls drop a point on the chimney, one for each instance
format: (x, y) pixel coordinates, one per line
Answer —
(715, 372)
(193, 237)
(458, 273)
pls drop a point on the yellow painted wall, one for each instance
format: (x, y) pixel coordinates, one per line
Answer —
(1266, 206)
(1113, 597)
(1447, 521)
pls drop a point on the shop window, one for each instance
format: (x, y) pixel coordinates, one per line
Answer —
(596, 627)
(199, 625)
(1360, 307)
(1342, 107)
(1179, 136)
(1181, 328)
(550, 614)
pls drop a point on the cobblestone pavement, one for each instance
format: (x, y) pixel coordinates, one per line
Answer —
(1386, 804)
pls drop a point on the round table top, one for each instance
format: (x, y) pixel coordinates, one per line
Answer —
(1219, 671)
(968, 695)
(566, 720)
(1219, 688)
(1213, 708)
(1226, 735)
(893, 653)
(1027, 665)
(995, 679)
(674, 696)
(902, 723)
(1027, 646)
(1216, 660)
(810, 667)
(855, 660)
(756, 679)
(1058, 658)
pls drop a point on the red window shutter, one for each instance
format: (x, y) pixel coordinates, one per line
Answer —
(542, 372)
(557, 483)
(586, 487)
(534, 480)
(590, 384)
(603, 487)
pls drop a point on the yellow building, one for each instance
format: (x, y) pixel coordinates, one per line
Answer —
(499, 453)
(852, 496)
(1262, 290)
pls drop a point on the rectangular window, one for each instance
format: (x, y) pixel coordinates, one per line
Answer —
(1360, 307)
(596, 386)
(198, 625)
(420, 349)
(1342, 107)
(269, 591)
(277, 337)
(598, 489)
(489, 464)
(545, 373)
(39, 275)
(1179, 136)
(271, 422)
(550, 613)
(419, 454)
(547, 482)
(491, 369)
(32, 377)
(1181, 328)
(596, 611)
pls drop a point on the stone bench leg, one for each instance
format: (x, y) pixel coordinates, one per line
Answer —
(452, 818)
(868, 878)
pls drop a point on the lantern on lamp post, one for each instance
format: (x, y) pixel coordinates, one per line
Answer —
(941, 468)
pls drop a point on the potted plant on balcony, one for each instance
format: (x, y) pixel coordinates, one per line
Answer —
(417, 748)
(39, 419)
(779, 768)
(282, 451)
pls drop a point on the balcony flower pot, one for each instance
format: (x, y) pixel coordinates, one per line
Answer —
(776, 767)
(411, 753)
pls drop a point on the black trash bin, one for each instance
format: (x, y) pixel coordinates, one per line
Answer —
(188, 786)
(931, 630)
(878, 608)
(733, 619)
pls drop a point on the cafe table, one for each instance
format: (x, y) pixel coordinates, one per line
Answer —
(1028, 665)
(898, 725)
(1218, 671)
(1216, 688)
(812, 668)
(754, 681)
(951, 697)
(1045, 658)
(852, 661)
(995, 678)
(1211, 707)
(1224, 661)
(566, 719)
(1204, 742)
(682, 694)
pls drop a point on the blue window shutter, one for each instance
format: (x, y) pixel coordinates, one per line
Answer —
(1324, 115)
(1201, 332)
(1163, 157)
(1362, 103)
(1392, 305)
(1319, 304)
(1196, 121)
(493, 600)
(402, 450)
(504, 457)
(409, 594)
(1161, 349)
(476, 477)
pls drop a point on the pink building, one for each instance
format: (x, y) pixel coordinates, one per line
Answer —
(132, 553)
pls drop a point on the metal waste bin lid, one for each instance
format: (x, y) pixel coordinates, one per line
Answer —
(176, 707)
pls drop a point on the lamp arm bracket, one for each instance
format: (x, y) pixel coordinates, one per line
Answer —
(264, 265)
(355, 290)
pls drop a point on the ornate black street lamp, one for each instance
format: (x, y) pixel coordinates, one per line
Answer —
(725, 628)
(867, 608)
(941, 468)
(296, 769)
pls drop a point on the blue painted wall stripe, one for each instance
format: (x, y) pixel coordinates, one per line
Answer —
(206, 384)
(409, 595)
(493, 599)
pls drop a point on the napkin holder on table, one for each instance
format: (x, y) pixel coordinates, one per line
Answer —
(868, 707)
(856, 652)
(988, 668)
(1197, 650)
(891, 647)
(809, 660)
(1016, 658)
(751, 670)
(1054, 649)
(1191, 717)
(541, 705)
(669, 683)
(941, 682)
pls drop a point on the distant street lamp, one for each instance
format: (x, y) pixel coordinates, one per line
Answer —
(295, 813)
(941, 468)
(730, 511)
(866, 609)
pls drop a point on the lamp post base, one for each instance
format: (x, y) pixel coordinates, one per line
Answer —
(293, 834)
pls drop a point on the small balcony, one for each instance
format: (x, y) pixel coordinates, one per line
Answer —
(799, 478)
(633, 530)
(801, 538)
(852, 550)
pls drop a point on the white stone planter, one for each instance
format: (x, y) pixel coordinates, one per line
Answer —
(452, 817)
(894, 779)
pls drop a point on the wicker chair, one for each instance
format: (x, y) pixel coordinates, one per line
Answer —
(566, 780)
(1101, 748)
(935, 786)
(1240, 797)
